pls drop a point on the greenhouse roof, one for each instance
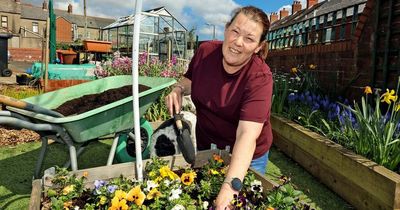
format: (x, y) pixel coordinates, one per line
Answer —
(129, 20)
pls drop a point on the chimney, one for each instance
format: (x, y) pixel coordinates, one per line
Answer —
(311, 3)
(18, 1)
(296, 6)
(44, 5)
(273, 17)
(283, 13)
(70, 8)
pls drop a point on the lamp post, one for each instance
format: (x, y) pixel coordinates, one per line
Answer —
(213, 25)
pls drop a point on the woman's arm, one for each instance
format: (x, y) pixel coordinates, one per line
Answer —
(242, 154)
(174, 99)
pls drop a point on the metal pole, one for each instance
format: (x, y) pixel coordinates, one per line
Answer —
(213, 32)
(135, 88)
(84, 13)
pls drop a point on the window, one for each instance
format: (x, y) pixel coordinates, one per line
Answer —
(328, 36)
(35, 27)
(4, 21)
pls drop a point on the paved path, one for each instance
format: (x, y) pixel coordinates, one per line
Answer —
(16, 67)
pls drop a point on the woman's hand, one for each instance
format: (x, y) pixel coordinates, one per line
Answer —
(174, 100)
(225, 197)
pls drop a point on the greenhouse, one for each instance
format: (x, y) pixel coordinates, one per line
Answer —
(161, 35)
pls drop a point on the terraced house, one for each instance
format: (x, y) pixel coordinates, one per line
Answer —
(27, 22)
(353, 43)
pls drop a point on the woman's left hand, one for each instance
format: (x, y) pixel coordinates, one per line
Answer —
(224, 198)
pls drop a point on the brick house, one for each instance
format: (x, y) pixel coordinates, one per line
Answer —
(350, 42)
(27, 22)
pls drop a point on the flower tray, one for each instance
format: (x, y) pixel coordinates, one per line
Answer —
(362, 182)
(97, 46)
(129, 170)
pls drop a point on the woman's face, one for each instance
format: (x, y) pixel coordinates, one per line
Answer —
(242, 40)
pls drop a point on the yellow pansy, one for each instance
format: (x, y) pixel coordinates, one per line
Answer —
(368, 90)
(67, 204)
(154, 193)
(294, 70)
(103, 200)
(188, 178)
(136, 195)
(68, 189)
(165, 171)
(117, 204)
(120, 194)
(389, 96)
(214, 172)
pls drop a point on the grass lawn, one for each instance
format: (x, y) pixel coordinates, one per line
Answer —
(17, 164)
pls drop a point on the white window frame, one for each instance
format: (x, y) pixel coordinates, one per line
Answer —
(35, 27)
(4, 21)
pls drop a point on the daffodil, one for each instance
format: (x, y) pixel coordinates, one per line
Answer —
(117, 204)
(294, 70)
(165, 171)
(312, 66)
(397, 107)
(154, 193)
(136, 195)
(389, 96)
(188, 178)
(68, 189)
(367, 90)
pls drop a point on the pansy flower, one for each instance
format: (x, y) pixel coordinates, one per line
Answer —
(165, 171)
(112, 188)
(175, 194)
(218, 158)
(188, 178)
(256, 186)
(178, 207)
(68, 189)
(154, 193)
(117, 204)
(136, 195)
(150, 185)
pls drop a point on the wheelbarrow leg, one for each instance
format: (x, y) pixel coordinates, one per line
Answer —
(72, 151)
(41, 157)
(112, 150)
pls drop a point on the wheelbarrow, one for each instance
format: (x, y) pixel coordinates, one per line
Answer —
(113, 118)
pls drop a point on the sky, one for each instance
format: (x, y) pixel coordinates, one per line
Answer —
(193, 14)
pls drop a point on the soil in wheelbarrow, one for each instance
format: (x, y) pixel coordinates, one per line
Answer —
(93, 101)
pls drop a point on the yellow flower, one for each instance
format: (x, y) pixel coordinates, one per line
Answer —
(397, 108)
(120, 194)
(312, 66)
(214, 172)
(154, 193)
(152, 174)
(388, 97)
(188, 178)
(103, 200)
(68, 189)
(270, 208)
(165, 171)
(136, 195)
(67, 204)
(218, 158)
(85, 174)
(367, 90)
(294, 70)
(117, 204)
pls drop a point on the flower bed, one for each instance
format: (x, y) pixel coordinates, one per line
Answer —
(363, 183)
(169, 184)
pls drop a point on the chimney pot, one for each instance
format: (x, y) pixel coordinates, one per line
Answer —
(296, 6)
(44, 6)
(311, 3)
(283, 13)
(273, 17)
(70, 8)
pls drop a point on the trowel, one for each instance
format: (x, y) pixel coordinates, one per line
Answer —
(184, 140)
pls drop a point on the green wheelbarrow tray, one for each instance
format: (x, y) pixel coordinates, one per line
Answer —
(108, 119)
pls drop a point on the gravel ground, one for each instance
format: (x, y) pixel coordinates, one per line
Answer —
(11, 136)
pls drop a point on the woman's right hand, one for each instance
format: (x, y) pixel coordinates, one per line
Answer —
(174, 100)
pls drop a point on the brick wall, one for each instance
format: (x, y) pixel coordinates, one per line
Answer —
(64, 32)
(26, 54)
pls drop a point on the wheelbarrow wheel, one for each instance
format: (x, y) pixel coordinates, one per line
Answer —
(126, 145)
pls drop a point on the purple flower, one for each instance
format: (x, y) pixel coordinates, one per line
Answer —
(292, 97)
(99, 183)
(112, 188)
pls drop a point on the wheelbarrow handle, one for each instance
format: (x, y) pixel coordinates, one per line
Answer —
(27, 106)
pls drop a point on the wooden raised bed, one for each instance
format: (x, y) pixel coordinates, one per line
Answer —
(362, 182)
(129, 170)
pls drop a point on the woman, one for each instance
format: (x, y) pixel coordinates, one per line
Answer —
(231, 87)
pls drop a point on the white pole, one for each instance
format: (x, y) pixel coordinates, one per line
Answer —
(135, 89)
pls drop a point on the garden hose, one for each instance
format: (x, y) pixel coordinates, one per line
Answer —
(126, 146)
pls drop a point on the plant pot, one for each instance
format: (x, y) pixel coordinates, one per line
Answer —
(97, 46)
(128, 170)
(361, 182)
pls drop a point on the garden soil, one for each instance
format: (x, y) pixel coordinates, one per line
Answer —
(12, 136)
